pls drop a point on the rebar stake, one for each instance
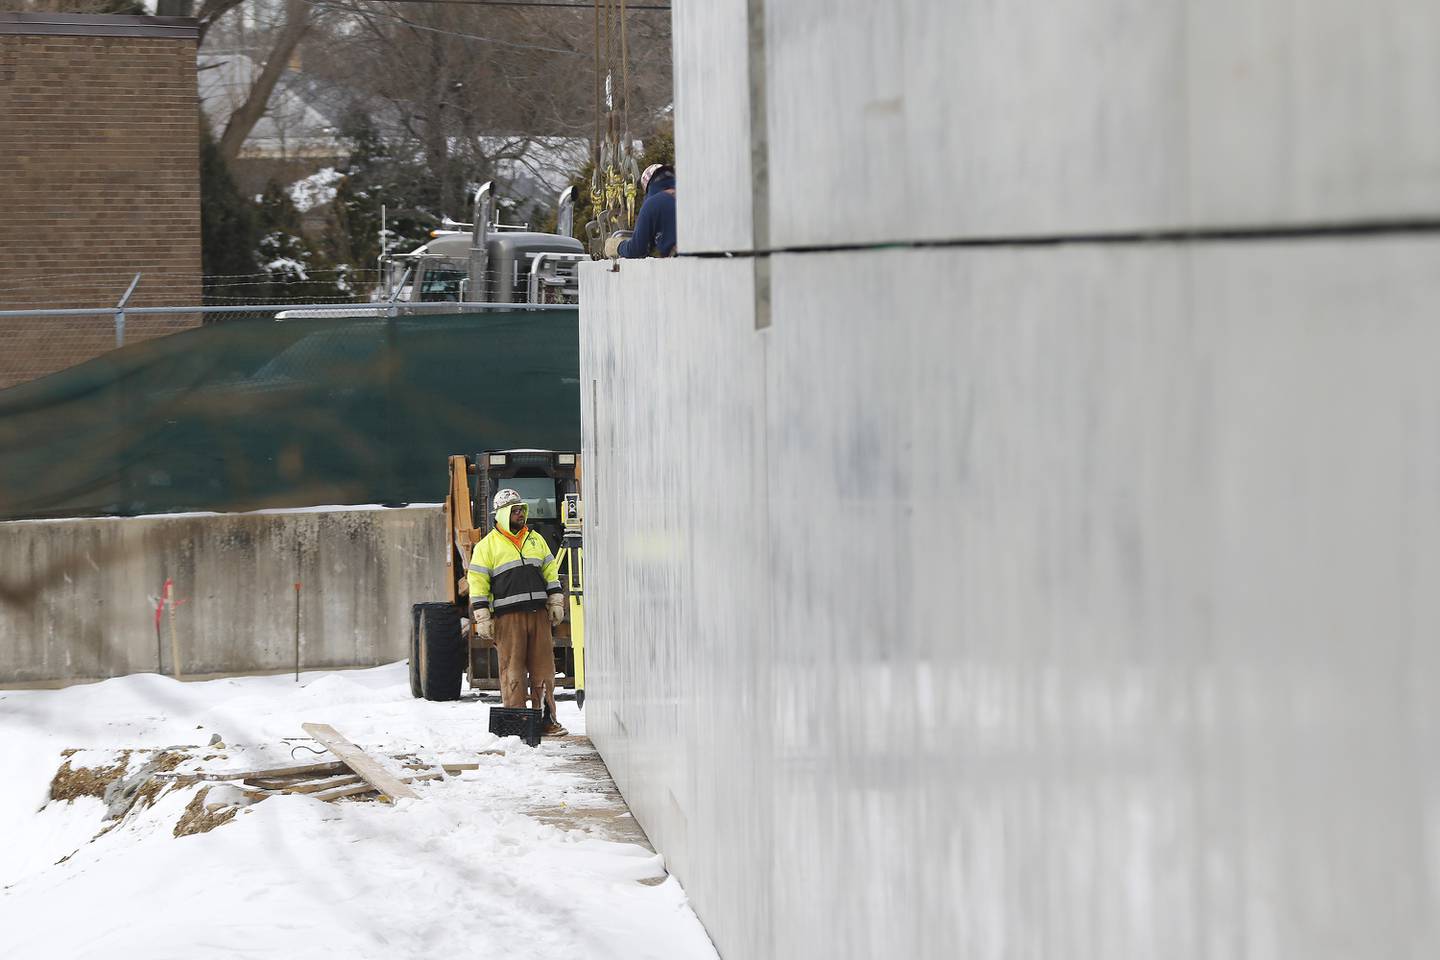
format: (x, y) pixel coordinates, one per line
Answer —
(297, 631)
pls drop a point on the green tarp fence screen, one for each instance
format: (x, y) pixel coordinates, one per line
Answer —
(253, 414)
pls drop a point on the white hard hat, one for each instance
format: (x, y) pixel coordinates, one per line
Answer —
(649, 173)
(506, 498)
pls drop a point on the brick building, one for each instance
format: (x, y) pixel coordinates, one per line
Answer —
(99, 180)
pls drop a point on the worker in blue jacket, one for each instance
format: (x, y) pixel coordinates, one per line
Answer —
(655, 227)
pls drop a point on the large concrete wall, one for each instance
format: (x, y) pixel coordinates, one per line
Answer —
(79, 595)
(935, 120)
(711, 79)
(1055, 601)
(928, 119)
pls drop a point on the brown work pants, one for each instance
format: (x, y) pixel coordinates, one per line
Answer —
(525, 644)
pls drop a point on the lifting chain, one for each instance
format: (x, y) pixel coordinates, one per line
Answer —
(614, 182)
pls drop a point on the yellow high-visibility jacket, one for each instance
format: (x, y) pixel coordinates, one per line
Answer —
(509, 572)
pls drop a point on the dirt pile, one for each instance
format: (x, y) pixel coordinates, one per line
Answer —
(202, 817)
(72, 782)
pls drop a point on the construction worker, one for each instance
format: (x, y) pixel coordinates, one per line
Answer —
(655, 226)
(515, 598)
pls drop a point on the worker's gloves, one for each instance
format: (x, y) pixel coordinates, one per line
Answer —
(612, 246)
(556, 603)
(484, 626)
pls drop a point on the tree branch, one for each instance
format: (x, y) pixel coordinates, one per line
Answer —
(243, 120)
(211, 11)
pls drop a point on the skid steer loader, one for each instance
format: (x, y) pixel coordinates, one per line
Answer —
(445, 649)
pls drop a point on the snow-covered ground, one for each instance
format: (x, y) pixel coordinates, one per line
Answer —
(463, 871)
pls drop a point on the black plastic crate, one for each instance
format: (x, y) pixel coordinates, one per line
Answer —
(521, 722)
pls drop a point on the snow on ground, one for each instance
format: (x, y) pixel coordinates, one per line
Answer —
(462, 871)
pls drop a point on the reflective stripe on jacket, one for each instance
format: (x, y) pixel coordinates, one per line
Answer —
(507, 578)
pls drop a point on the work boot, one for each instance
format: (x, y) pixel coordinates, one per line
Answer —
(553, 729)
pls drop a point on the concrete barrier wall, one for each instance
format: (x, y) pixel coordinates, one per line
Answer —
(79, 594)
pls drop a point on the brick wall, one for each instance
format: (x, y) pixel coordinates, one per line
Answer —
(99, 180)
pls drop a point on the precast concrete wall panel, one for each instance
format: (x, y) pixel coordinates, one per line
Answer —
(1327, 499)
(1151, 629)
(678, 695)
(928, 120)
(922, 119)
(995, 464)
(1313, 112)
(1087, 614)
(712, 125)
(85, 608)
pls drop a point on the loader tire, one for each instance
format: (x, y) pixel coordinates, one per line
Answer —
(416, 690)
(441, 651)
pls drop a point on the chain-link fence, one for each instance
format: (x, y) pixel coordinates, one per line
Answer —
(52, 321)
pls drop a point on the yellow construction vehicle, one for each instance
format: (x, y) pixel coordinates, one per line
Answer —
(445, 649)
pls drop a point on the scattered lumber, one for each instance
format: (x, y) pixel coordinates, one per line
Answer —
(356, 775)
(357, 789)
(298, 770)
(364, 765)
(317, 786)
(270, 773)
(277, 778)
(341, 792)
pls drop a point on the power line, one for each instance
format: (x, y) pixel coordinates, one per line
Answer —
(357, 11)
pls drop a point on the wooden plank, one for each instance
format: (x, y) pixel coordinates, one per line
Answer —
(339, 792)
(357, 789)
(258, 792)
(303, 770)
(329, 768)
(316, 786)
(291, 781)
(364, 765)
(447, 767)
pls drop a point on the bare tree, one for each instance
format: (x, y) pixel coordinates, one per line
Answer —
(473, 86)
(210, 13)
(243, 120)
